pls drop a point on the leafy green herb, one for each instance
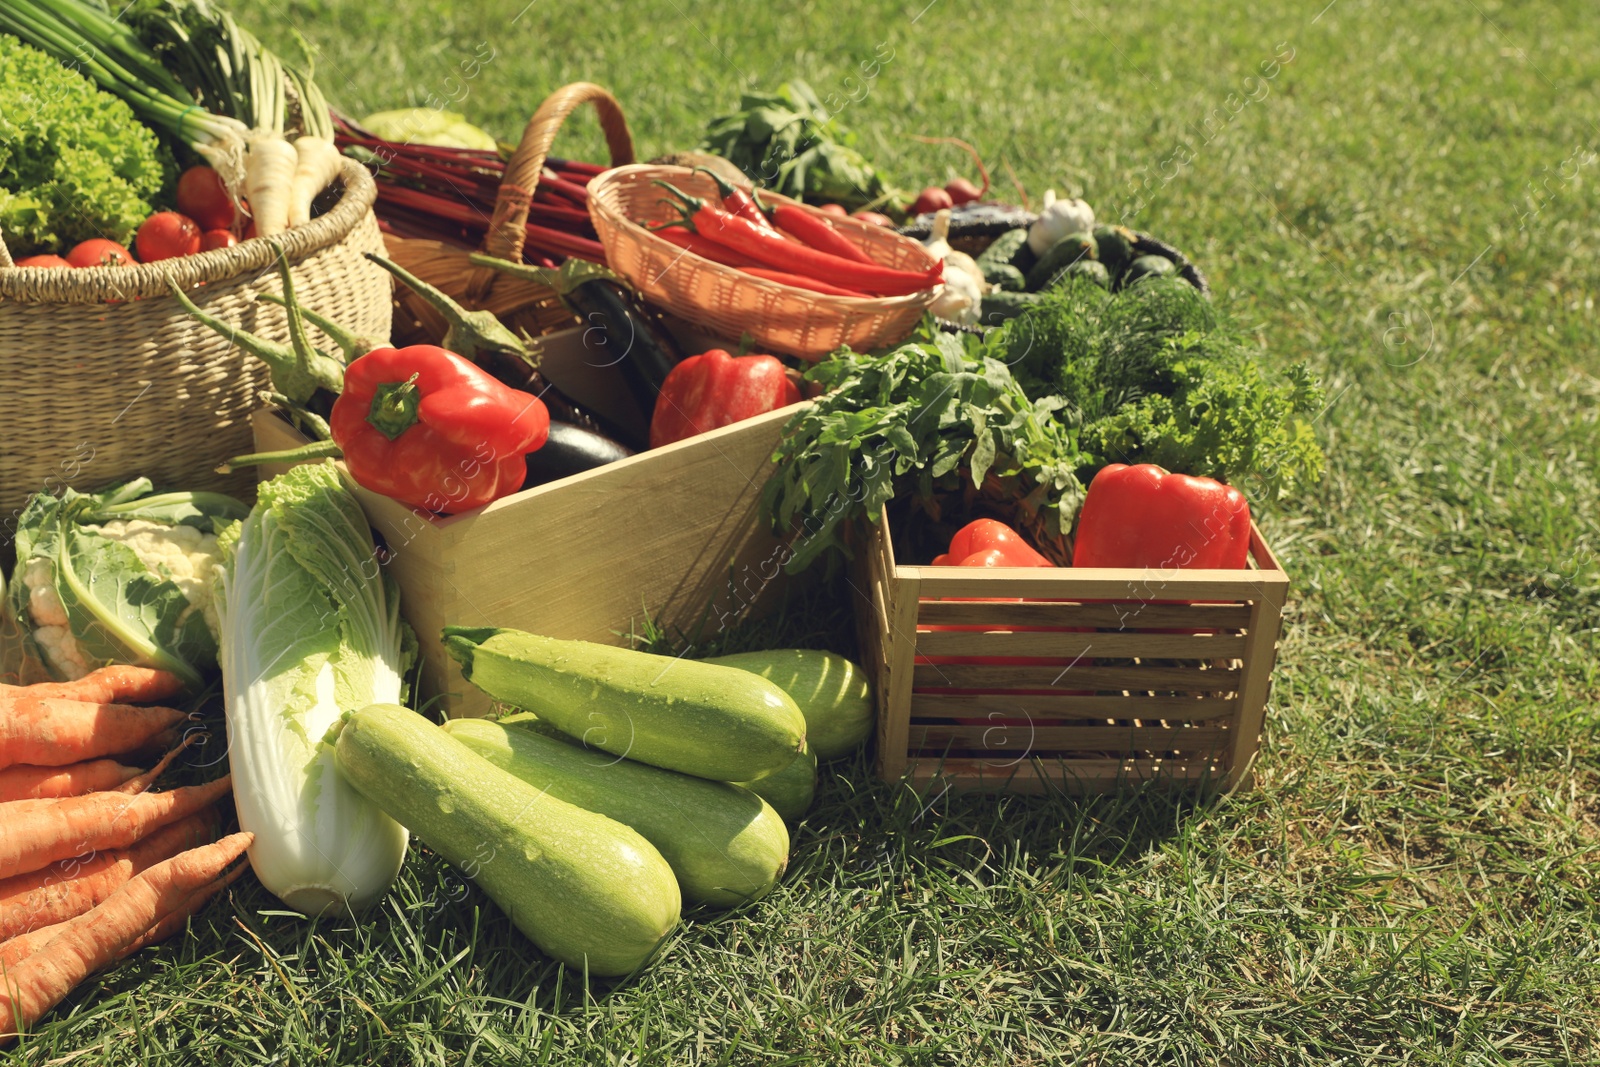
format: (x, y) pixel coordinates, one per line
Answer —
(788, 142)
(923, 418)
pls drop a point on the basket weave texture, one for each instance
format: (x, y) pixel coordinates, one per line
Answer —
(103, 376)
(730, 303)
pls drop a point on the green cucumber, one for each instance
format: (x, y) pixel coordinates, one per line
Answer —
(586, 889)
(998, 307)
(832, 693)
(1002, 249)
(726, 845)
(1006, 277)
(1071, 249)
(1116, 247)
(1147, 267)
(1091, 269)
(791, 790)
(699, 718)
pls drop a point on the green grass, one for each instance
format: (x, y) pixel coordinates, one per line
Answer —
(1413, 880)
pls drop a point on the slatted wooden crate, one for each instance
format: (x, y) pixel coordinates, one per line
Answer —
(1084, 680)
(673, 533)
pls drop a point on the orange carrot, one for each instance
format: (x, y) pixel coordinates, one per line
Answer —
(69, 888)
(108, 930)
(49, 732)
(23, 782)
(147, 779)
(20, 947)
(36, 836)
(109, 685)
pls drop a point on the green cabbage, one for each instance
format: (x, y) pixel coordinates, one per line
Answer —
(74, 161)
(311, 629)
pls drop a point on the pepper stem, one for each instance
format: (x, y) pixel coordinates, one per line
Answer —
(725, 188)
(394, 407)
(689, 204)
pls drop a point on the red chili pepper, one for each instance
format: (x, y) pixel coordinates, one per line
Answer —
(784, 278)
(714, 389)
(774, 250)
(816, 232)
(700, 246)
(735, 200)
(426, 427)
(1144, 516)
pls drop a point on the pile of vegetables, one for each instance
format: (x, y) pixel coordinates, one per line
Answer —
(1027, 414)
(94, 867)
(190, 74)
(615, 795)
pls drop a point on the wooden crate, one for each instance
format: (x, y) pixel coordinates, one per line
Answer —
(674, 533)
(1126, 676)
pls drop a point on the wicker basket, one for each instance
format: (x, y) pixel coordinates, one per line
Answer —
(730, 303)
(103, 376)
(522, 305)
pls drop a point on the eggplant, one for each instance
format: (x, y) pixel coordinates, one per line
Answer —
(571, 450)
(619, 331)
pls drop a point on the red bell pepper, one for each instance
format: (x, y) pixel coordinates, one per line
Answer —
(428, 428)
(714, 389)
(1144, 516)
(989, 543)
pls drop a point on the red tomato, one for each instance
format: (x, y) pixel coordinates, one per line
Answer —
(202, 197)
(932, 198)
(213, 239)
(250, 230)
(99, 252)
(42, 261)
(962, 191)
(833, 209)
(876, 218)
(167, 235)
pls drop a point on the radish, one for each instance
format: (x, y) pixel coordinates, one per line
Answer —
(317, 165)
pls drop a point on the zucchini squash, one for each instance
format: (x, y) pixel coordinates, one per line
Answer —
(790, 791)
(726, 845)
(586, 889)
(699, 718)
(831, 692)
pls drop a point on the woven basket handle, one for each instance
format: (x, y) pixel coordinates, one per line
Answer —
(506, 233)
(5, 254)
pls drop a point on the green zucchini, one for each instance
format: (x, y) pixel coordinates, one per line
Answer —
(726, 845)
(586, 889)
(832, 693)
(1091, 269)
(792, 789)
(1147, 267)
(1071, 249)
(699, 718)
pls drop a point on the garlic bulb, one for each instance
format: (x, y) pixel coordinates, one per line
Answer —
(1056, 220)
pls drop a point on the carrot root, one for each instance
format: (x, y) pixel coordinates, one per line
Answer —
(145, 780)
(106, 932)
(108, 685)
(67, 889)
(24, 782)
(53, 732)
(38, 834)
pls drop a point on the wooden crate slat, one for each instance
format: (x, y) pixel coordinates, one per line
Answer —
(1032, 739)
(1072, 646)
(1068, 776)
(931, 676)
(1170, 709)
(1097, 583)
(1124, 615)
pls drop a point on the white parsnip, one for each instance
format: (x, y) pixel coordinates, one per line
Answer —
(268, 182)
(317, 164)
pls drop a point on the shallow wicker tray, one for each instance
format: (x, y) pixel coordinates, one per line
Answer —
(729, 303)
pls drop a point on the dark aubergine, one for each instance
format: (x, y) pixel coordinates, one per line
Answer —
(571, 450)
(618, 331)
